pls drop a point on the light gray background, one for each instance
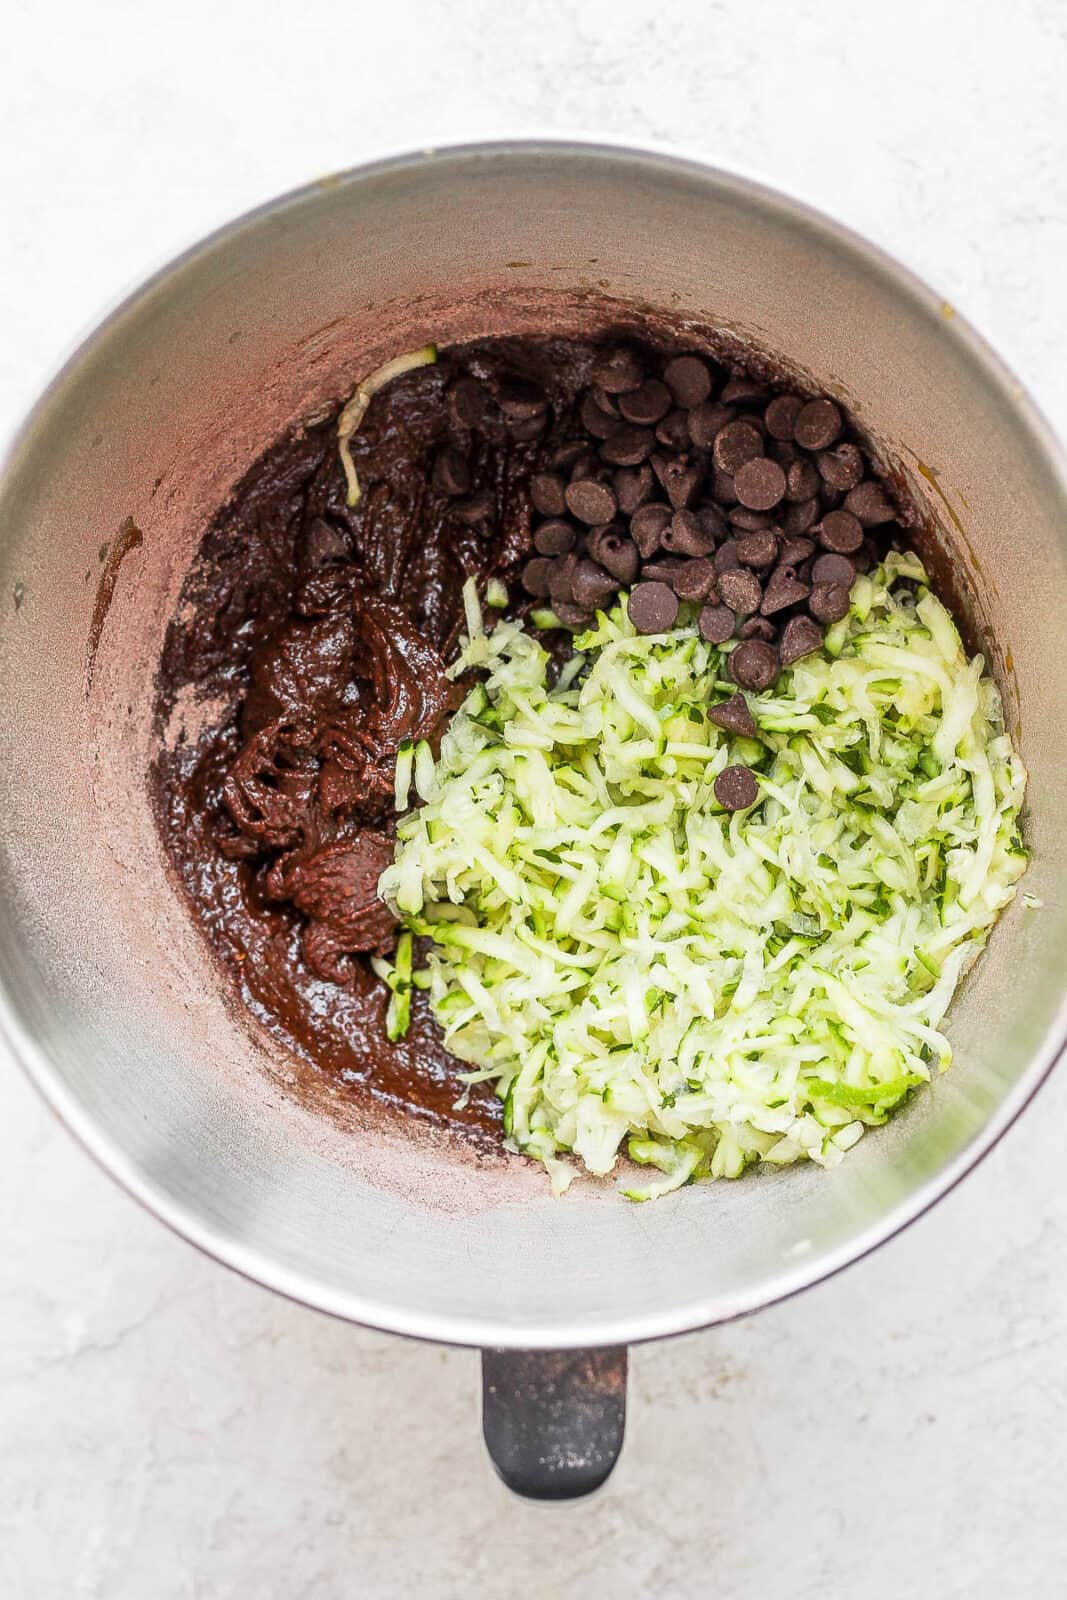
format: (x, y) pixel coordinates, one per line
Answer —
(167, 1430)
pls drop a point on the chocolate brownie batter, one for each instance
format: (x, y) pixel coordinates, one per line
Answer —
(313, 636)
(322, 633)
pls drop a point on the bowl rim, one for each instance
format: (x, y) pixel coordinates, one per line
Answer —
(442, 1327)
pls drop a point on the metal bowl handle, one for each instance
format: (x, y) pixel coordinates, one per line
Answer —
(554, 1420)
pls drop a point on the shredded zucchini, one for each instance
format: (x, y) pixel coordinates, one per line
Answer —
(632, 965)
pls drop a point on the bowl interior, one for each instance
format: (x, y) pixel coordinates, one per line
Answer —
(109, 994)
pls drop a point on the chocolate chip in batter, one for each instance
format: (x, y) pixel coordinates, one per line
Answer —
(592, 585)
(753, 664)
(800, 637)
(840, 468)
(628, 446)
(781, 415)
(615, 551)
(735, 444)
(735, 787)
(840, 532)
(648, 404)
(694, 580)
(759, 483)
(535, 577)
(554, 538)
(618, 371)
(634, 486)
(652, 607)
(833, 568)
(688, 380)
(868, 503)
(591, 502)
(740, 590)
(716, 624)
(783, 589)
(520, 399)
(818, 425)
(475, 509)
(758, 550)
(829, 602)
(647, 525)
(546, 493)
(734, 715)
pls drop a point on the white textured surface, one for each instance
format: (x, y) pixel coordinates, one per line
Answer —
(167, 1430)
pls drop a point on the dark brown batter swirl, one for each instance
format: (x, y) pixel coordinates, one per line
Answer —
(323, 632)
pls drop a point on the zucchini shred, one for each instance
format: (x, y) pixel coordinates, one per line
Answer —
(630, 964)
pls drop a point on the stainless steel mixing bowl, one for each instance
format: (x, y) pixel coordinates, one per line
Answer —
(109, 998)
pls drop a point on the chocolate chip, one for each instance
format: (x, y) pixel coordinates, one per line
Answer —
(711, 520)
(734, 716)
(535, 576)
(647, 525)
(818, 425)
(467, 401)
(716, 624)
(783, 589)
(833, 569)
(735, 444)
(680, 478)
(745, 519)
(546, 492)
(652, 607)
(592, 585)
(759, 550)
(722, 487)
(647, 404)
(736, 788)
(618, 371)
(475, 509)
(802, 481)
(694, 580)
(586, 465)
(673, 431)
(829, 602)
(451, 471)
(707, 420)
(323, 545)
(759, 484)
(781, 415)
(753, 664)
(726, 557)
(840, 532)
(571, 615)
(628, 446)
(688, 379)
(686, 535)
(840, 468)
(633, 487)
(800, 517)
(794, 550)
(591, 502)
(800, 637)
(561, 577)
(523, 429)
(554, 538)
(565, 455)
(595, 420)
(615, 551)
(519, 399)
(742, 390)
(758, 628)
(740, 590)
(607, 402)
(868, 502)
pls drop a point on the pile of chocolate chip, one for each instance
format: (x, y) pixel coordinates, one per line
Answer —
(755, 506)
